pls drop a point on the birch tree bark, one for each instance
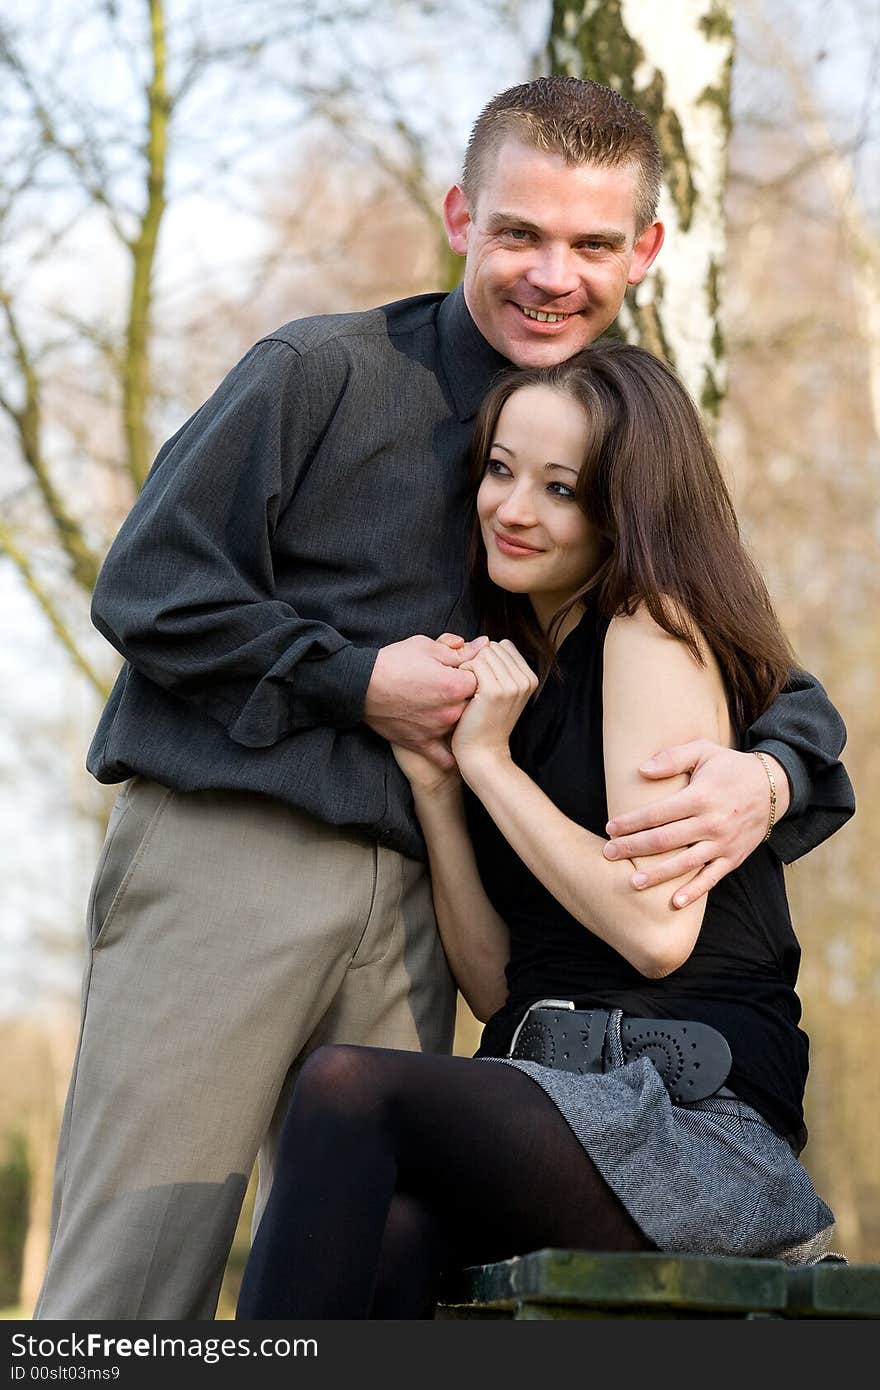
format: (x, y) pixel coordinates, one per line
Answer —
(672, 61)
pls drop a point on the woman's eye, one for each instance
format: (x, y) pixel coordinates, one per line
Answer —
(498, 468)
(560, 490)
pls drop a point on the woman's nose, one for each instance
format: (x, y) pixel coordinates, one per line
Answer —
(517, 509)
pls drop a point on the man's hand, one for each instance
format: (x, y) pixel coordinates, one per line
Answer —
(417, 693)
(709, 827)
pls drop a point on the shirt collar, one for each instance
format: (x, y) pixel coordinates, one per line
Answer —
(469, 362)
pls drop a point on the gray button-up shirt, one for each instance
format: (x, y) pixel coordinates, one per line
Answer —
(314, 510)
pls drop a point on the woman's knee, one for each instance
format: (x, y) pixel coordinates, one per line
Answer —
(338, 1081)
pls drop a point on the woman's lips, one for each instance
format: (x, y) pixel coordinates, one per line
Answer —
(517, 549)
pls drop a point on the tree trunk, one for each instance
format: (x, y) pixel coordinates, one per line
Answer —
(136, 364)
(673, 62)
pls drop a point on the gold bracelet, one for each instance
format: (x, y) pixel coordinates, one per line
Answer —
(772, 780)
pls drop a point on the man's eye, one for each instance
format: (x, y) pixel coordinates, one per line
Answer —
(594, 246)
(516, 234)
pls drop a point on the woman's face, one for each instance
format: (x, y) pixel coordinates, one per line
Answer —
(538, 541)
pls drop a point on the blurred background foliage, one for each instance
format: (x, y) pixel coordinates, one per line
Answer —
(178, 178)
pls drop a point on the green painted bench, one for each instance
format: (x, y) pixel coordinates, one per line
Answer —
(584, 1284)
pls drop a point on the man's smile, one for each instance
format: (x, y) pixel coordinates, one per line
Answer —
(544, 315)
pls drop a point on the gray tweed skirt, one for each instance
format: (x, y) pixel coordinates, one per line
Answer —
(709, 1178)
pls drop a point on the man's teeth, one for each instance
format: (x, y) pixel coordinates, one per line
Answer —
(542, 317)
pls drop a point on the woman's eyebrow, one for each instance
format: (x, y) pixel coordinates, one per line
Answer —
(496, 444)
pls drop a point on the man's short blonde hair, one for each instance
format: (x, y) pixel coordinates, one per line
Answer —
(585, 122)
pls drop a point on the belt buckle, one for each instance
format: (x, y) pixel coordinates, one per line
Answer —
(538, 1004)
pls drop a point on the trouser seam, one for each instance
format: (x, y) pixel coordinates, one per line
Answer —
(136, 860)
(389, 856)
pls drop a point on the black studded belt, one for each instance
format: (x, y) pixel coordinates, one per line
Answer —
(693, 1059)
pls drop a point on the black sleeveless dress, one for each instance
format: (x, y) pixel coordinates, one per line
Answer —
(719, 1175)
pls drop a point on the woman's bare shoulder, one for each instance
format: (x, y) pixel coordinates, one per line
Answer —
(639, 632)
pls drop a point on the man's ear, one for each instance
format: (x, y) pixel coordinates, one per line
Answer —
(456, 219)
(644, 252)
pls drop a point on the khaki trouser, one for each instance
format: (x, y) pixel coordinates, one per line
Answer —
(230, 936)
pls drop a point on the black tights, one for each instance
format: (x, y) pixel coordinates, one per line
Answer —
(395, 1166)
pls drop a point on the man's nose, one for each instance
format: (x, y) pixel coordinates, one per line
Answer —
(554, 271)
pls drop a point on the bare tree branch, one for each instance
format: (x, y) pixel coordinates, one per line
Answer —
(51, 610)
(27, 419)
(94, 186)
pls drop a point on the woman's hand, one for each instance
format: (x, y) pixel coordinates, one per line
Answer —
(424, 774)
(505, 684)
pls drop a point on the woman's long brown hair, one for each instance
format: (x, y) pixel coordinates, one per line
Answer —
(651, 485)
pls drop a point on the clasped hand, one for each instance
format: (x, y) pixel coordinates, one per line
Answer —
(417, 693)
(502, 685)
(505, 684)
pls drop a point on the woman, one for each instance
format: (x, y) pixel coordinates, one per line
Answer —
(608, 561)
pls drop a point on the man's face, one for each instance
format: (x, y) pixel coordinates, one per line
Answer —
(550, 248)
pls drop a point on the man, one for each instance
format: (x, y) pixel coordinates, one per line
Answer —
(277, 592)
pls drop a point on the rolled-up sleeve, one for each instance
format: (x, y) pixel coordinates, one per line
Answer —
(806, 734)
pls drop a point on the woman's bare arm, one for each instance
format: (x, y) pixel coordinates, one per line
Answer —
(655, 693)
(475, 938)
